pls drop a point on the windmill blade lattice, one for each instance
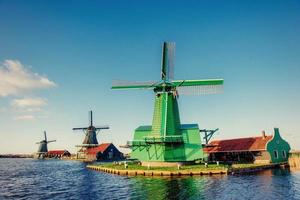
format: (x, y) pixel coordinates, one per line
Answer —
(45, 134)
(83, 128)
(168, 61)
(102, 127)
(91, 117)
(200, 89)
(121, 84)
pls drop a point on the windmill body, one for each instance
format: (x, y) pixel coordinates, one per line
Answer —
(43, 146)
(167, 140)
(90, 139)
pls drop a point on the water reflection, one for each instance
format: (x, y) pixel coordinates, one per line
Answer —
(31, 179)
(87, 183)
(277, 175)
(270, 184)
(171, 188)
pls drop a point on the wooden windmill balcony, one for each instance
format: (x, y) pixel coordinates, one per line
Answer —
(156, 140)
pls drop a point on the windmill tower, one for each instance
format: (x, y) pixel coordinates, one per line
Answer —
(43, 146)
(167, 140)
(90, 139)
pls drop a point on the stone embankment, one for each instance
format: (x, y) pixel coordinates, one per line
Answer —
(157, 172)
(194, 171)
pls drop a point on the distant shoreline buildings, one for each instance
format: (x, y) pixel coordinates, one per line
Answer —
(16, 155)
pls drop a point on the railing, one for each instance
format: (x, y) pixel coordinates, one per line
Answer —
(165, 139)
(156, 139)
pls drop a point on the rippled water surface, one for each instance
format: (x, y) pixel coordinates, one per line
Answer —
(57, 179)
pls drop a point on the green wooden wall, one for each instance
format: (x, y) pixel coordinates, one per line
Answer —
(189, 150)
(278, 148)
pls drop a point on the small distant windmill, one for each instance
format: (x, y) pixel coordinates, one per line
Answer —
(43, 148)
(167, 140)
(91, 132)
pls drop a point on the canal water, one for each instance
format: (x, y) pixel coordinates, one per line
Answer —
(59, 179)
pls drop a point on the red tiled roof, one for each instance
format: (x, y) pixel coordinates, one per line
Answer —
(94, 150)
(237, 145)
(57, 152)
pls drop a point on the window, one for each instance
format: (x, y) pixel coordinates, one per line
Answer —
(284, 153)
(276, 154)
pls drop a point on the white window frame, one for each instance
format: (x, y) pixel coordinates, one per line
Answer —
(276, 154)
(284, 153)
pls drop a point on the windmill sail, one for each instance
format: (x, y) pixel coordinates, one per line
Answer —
(45, 136)
(91, 117)
(102, 127)
(168, 57)
(119, 84)
(80, 128)
(198, 87)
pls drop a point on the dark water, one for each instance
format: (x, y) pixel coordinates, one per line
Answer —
(56, 179)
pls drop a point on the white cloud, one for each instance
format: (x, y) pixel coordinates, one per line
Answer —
(25, 117)
(37, 109)
(15, 79)
(29, 102)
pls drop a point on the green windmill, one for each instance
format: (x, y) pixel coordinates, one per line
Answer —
(167, 140)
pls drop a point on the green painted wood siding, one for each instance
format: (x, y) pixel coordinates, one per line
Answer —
(278, 148)
(166, 120)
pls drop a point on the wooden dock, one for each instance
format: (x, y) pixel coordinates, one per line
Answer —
(187, 172)
(294, 159)
(127, 172)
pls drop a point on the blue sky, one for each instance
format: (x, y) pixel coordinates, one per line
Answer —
(73, 51)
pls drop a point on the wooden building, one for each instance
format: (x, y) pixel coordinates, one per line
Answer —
(58, 154)
(103, 152)
(263, 149)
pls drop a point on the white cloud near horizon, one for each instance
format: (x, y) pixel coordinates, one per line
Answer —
(25, 117)
(37, 109)
(29, 102)
(15, 79)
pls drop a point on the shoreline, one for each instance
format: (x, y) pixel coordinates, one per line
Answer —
(197, 170)
(16, 156)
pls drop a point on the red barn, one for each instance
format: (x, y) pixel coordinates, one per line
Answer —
(252, 149)
(58, 154)
(105, 151)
